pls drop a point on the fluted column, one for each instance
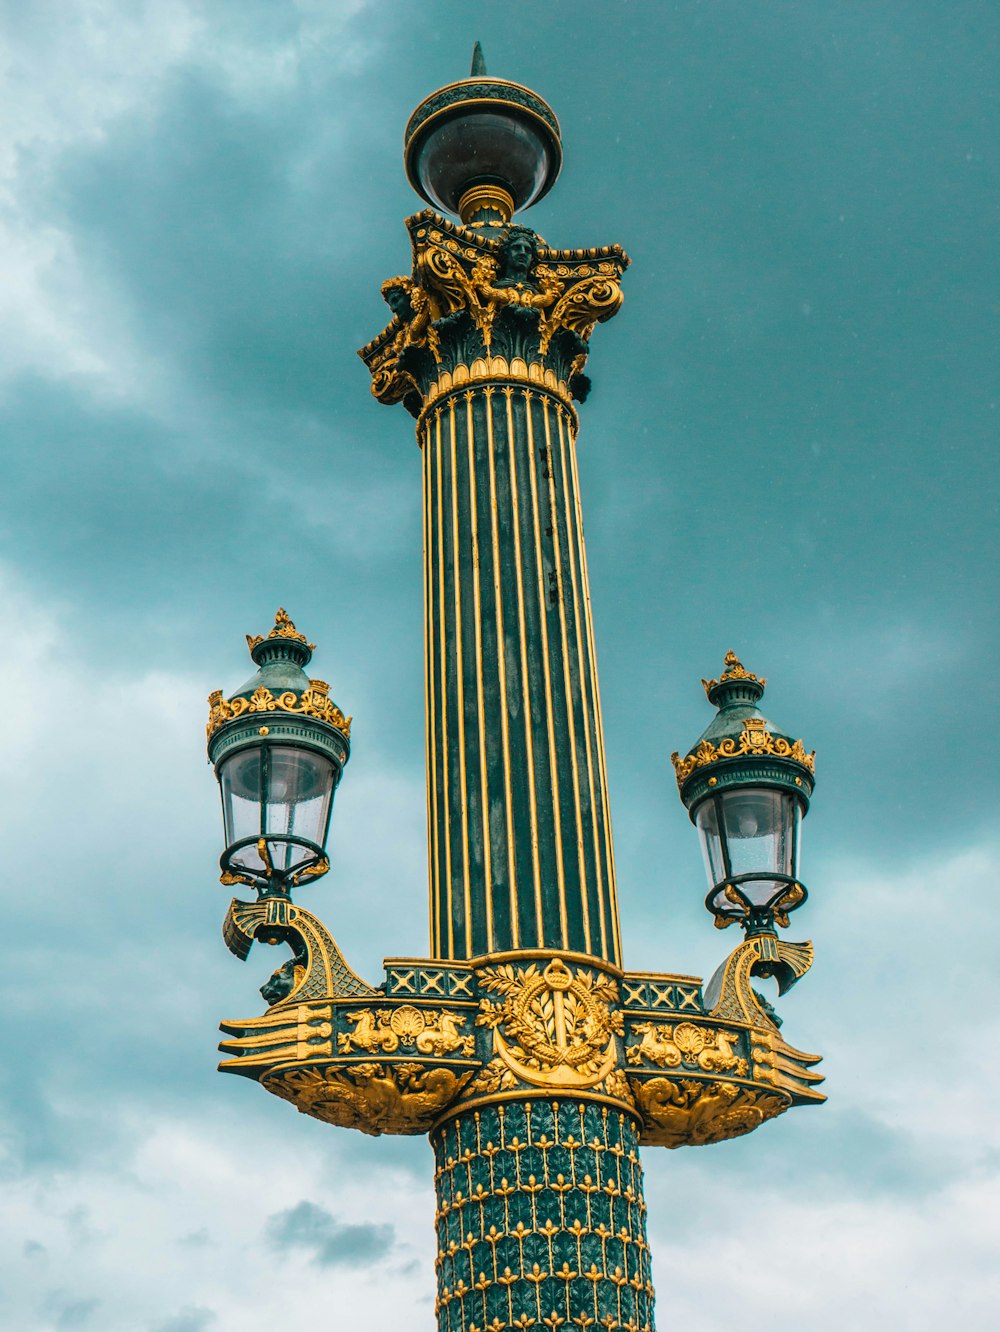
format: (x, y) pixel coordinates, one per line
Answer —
(519, 832)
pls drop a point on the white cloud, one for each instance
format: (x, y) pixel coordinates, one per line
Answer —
(70, 73)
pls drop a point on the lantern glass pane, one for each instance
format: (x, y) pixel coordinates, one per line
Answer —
(239, 780)
(299, 791)
(711, 843)
(759, 827)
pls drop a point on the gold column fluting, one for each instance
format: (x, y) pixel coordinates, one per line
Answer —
(519, 830)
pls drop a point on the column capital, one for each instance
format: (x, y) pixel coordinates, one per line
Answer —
(500, 307)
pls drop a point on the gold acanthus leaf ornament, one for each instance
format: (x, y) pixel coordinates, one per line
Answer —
(375, 1098)
(312, 702)
(690, 1113)
(283, 628)
(755, 740)
(735, 670)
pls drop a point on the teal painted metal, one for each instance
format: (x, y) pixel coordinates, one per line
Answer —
(541, 1220)
(521, 853)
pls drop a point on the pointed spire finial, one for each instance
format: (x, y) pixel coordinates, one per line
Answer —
(478, 62)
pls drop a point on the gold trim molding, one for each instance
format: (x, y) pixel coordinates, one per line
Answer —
(483, 198)
(755, 741)
(313, 702)
(487, 368)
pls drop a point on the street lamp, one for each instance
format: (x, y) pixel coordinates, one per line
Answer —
(746, 787)
(536, 1061)
(279, 745)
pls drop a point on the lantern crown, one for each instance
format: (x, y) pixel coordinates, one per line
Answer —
(735, 685)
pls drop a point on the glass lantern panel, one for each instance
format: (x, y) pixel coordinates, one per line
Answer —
(299, 791)
(759, 826)
(239, 780)
(711, 843)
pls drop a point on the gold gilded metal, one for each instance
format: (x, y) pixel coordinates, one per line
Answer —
(691, 1113)
(375, 1098)
(283, 628)
(707, 1048)
(313, 702)
(299, 1031)
(735, 670)
(323, 973)
(755, 740)
(556, 1027)
(428, 1031)
(485, 198)
(762, 954)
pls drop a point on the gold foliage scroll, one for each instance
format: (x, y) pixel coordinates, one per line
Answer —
(692, 1113)
(374, 1098)
(755, 740)
(313, 702)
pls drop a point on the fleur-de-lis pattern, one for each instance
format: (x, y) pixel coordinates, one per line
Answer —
(541, 1220)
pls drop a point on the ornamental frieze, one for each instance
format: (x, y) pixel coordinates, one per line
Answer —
(386, 1030)
(374, 1098)
(707, 1048)
(312, 702)
(690, 1112)
(755, 740)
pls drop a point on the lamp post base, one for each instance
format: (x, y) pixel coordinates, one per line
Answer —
(541, 1220)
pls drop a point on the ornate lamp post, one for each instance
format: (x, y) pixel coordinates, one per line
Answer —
(535, 1061)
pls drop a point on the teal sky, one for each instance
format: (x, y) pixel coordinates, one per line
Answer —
(790, 450)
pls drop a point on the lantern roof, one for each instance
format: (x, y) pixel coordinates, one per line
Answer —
(281, 687)
(740, 746)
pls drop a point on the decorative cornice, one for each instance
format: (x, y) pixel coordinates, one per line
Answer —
(755, 741)
(313, 702)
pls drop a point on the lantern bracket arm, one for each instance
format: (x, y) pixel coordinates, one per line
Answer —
(317, 969)
(729, 993)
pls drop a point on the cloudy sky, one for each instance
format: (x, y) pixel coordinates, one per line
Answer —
(789, 450)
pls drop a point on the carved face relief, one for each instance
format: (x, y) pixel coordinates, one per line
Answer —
(518, 256)
(399, 302)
